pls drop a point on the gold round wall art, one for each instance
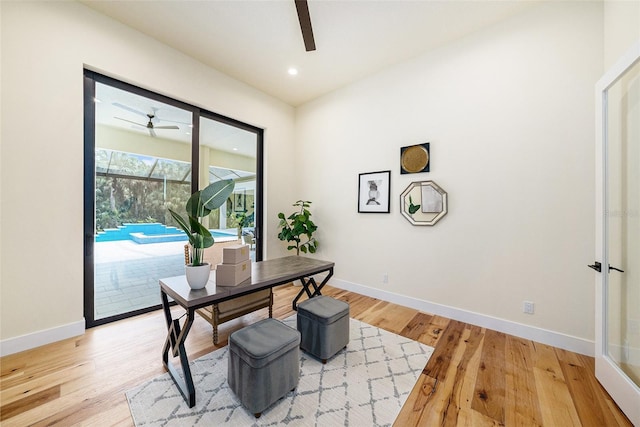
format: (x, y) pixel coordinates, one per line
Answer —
(415, 158)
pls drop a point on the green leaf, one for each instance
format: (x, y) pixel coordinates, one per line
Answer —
(194, 206)
(182, 223)
(216, 194)
(412, 208)
(207, 241)
(202, 236)
(296, 225)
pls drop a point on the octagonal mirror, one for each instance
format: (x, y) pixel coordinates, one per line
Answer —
(423, 203)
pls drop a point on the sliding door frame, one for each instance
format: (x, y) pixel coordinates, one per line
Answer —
(89, 84)
(259, 170)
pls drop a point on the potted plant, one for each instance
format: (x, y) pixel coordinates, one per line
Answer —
(241, 220)
(199, 205)
(296, 226)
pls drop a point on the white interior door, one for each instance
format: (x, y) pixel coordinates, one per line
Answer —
(618, 233)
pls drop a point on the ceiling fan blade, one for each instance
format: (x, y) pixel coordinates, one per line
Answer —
(152, 132)
(129, 121)
(133, 110)
(172, 121)
(305, 25)
(166, 127)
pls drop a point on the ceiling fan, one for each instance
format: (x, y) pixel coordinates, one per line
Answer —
(305, 25)
(150, 125)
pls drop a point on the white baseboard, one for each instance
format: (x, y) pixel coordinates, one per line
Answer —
(556, 339)
(37, 339)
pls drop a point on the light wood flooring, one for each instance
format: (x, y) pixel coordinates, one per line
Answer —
(476, 376)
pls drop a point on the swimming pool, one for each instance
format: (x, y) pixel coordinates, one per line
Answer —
(153, 233)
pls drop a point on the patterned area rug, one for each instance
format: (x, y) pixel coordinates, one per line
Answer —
(365, 384)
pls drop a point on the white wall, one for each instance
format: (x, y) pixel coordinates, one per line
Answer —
(45, 46)
(509, 114)
(621, 28)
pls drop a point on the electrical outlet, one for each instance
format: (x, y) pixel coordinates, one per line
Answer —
(385, 278)
(528, 307)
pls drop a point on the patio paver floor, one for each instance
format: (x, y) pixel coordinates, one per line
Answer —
(126, 274)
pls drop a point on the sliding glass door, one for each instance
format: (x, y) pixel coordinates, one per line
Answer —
(142, 151)
(231, 152)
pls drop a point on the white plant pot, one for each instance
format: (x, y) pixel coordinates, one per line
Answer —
(197, 276)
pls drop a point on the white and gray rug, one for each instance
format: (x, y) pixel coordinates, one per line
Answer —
(365, 384)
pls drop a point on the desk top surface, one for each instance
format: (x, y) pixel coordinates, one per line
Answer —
(264, 274)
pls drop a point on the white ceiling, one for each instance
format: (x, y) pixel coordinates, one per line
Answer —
(256, 42)
(131, 112)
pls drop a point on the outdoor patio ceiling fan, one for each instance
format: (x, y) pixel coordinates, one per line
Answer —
(150, 125)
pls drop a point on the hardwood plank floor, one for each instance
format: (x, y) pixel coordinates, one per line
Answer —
(475, 377)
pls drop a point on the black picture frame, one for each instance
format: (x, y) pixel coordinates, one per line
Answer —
(374, 190)
(240, 202)
(415, 158)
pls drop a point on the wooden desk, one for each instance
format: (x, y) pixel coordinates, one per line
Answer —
(264, 274)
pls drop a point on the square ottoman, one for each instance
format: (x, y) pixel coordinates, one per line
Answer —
(323, 323)
(264, 363)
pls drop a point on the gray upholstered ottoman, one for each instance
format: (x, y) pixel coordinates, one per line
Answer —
(264, 363)
(323, 323)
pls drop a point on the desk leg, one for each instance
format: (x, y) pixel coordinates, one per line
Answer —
(175, 341)
(306, 283)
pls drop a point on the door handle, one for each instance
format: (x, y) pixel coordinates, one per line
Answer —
(88, 245)
(616, 269)
(596, 266)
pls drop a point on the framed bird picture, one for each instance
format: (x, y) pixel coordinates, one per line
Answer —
(373, 192)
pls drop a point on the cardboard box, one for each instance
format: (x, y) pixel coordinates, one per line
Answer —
(235, 254)
(233, 274)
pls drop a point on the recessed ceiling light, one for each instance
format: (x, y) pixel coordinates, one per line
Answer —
(292, 71)
(235, 149)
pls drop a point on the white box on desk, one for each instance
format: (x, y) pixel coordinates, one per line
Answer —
(235, 254)
(233, 274)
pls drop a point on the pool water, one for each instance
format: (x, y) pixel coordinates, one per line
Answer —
(152, 233)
